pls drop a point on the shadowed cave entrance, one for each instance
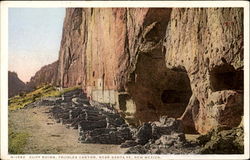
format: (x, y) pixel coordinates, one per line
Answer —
(174, 96)
(225, 77)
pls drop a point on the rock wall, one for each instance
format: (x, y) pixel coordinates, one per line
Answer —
(208, 45)
(71, 63)
(46, 75)
(147, 62)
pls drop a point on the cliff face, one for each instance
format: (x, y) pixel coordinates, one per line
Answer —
(184, 63)
(15, 85)
(119, 60)
(208, 45)
(46, 75)
(73, 45)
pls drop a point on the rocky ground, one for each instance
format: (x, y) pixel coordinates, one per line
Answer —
(167, 138)
(101, 128)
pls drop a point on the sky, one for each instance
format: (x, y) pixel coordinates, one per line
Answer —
(34, 39)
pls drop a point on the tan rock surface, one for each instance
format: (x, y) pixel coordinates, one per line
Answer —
(208, 44)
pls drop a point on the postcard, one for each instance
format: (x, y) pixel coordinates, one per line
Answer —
(124, 80)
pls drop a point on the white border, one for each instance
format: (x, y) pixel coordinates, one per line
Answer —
(57, 4)
(4, 79)
(131, 4)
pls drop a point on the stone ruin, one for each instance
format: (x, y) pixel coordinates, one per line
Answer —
(94, 124)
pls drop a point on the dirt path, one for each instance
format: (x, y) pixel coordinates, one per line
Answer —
(47, 136)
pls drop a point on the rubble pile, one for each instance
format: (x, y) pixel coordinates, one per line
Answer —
(161, 137)
(95, 125)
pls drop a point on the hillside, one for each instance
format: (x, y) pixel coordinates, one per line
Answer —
(15, 85)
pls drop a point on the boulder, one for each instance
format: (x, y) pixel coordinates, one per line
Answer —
(144, 134)
(170, 125)
(172, 139)
(91, 125)
(223, 141)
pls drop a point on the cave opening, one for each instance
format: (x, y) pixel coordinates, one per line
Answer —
(225, 77)
(176, 94)
(170, 96)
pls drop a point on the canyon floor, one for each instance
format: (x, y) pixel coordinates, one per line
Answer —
(48, 137)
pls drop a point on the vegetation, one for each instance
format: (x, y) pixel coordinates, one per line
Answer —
(22, 100)
(17, 141)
